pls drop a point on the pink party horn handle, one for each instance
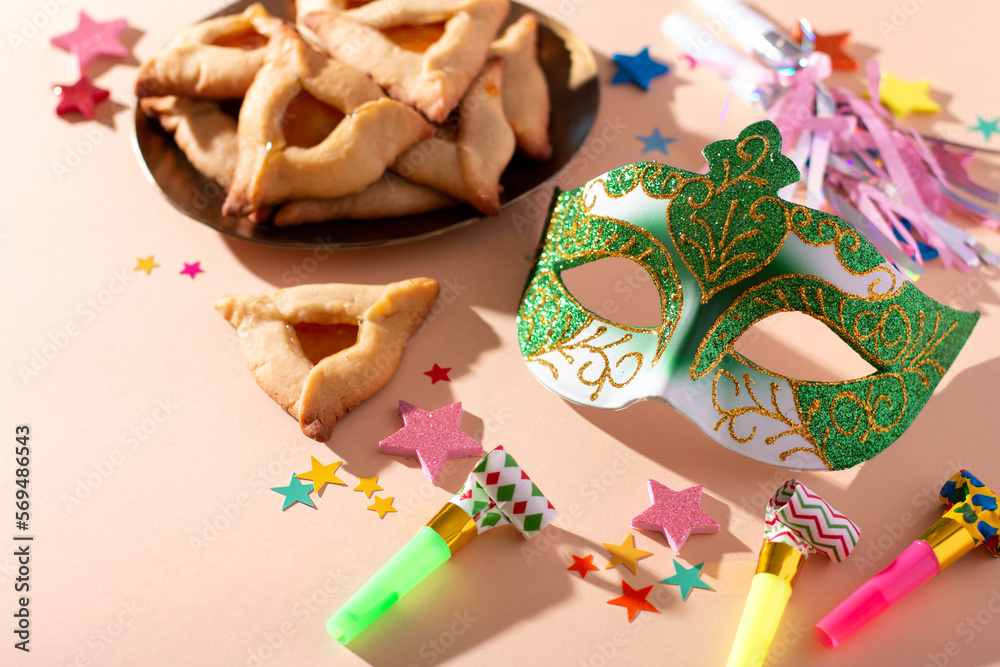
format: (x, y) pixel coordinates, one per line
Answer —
(901, 577)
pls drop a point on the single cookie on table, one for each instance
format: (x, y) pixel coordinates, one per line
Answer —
(423, 52)
(525, 90)
(320, 350)
(466, 162)
(217, 58)
(312, 127)
(202, 130)
(388, 197)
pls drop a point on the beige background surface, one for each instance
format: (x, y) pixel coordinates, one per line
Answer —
(157, 539)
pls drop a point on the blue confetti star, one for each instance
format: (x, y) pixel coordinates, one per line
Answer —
(988, 128)
(656, 142)
(687, 578)
(638, 69)
(295, 492)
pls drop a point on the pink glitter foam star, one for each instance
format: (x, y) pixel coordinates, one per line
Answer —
(80, 97)
(676, 514)
(433, 437)
(91, 40)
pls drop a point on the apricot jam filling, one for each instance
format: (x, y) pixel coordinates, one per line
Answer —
(308, 121)
(320, 341)
(417, 38)
(246, 38)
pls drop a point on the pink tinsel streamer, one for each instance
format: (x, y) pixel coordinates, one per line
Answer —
(886, 174)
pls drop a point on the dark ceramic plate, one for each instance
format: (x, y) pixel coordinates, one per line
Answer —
(573, 88)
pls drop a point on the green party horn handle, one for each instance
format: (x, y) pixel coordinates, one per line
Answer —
(497, 492)
(418, 558)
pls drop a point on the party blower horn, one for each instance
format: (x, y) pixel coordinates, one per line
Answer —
(797, 523)
(971, 519)
(497, 492)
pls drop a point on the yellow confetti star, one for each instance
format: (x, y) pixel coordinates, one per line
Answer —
(625, 554)
(368, 485)
(146, 264)
(383, 506)
(322, 475)
(904, 97)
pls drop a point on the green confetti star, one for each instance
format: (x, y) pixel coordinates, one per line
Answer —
(988, 128)
(295, 492)
(687, 578)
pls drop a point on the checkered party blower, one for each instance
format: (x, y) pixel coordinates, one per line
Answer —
(497, 492)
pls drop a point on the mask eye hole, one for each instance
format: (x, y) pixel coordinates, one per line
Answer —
(798, 346)
(617, 289)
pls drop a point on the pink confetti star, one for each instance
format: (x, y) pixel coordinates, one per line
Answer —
(676, 514)
(82, 96)
(91, 40)
(192, 269)
(433, 437)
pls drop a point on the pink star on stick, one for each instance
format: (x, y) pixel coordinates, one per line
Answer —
(676, 514)
(91, 40)
(433, 437)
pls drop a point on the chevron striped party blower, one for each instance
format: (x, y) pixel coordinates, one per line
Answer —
(497, 492)
(798, 523)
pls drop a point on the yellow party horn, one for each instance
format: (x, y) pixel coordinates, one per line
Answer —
(798, 523)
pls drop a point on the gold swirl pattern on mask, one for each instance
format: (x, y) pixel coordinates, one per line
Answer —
(866, 331)
(868, 409)
(724, 237)
(880, 340)
(747, 175)
(582, 238)
(861, 409)
(588, 346)
(658, 181)
(548, 312)
(818, 229)
(730, 415)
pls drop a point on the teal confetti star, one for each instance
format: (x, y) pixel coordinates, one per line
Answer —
(987, 127)
(639, 69)
(687, 578)
(656, 142)
(295, 492)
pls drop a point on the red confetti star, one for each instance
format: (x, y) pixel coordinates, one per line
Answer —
(832, 45)
(634, 600)
(437, 373)
(676, 514)
(91, 40)
(433, 437)
(82, 96)
(583, 565)
(192, 269)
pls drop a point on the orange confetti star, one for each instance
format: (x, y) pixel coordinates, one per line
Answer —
(583, 565)
(832, 45)
(634, 600)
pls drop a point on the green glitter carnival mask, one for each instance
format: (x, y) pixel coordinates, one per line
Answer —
(725, 252)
